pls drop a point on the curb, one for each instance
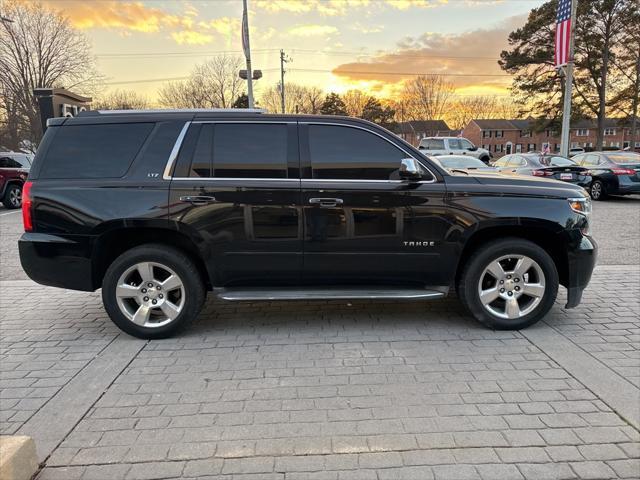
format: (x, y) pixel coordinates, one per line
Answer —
(18, 459)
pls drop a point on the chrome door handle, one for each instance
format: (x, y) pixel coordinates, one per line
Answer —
(326, 202)
(198, 199)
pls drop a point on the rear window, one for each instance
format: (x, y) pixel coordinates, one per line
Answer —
(556, 161)
(432, 144)
(94, 151)
(14, 161)
(624, 157)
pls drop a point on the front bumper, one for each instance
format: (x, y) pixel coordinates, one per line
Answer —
(57, 261)
(581, 262)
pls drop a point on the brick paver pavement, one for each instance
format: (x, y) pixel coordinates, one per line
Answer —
(326, 390)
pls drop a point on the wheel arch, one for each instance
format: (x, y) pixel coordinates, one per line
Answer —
(545, 236)
(113, 242)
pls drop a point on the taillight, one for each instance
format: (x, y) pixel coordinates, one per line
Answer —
(26, 207)
(623, 171)
(542, 173)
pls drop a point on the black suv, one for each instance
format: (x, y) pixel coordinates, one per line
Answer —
(159, 207)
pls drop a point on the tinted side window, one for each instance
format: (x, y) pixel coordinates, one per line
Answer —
(9, 162)
(435, 144)
(94, 151)
(454, 144)
(250, 150)
(351, 153)
(201, 160)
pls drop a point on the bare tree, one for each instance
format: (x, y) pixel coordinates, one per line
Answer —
(39, 49)
(465, 109)
(213, 84)
(298, 98)
(355, 101)
(427, 97)
(121, 100)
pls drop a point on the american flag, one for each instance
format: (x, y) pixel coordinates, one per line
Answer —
(563, 32)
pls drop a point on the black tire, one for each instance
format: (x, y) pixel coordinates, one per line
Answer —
(481, 258)
(597, 191)
(12, 197)
(184, 268)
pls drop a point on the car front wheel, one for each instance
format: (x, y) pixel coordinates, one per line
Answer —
(152, 291)
(509, 284)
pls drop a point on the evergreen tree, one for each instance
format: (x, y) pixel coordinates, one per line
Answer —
(333, 105)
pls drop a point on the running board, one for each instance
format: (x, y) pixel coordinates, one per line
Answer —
(311, 293)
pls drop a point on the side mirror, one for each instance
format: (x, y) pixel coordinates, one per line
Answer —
(472, 149)
(421, 147)
(409, 169)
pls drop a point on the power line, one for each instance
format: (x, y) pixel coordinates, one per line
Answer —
(161, 79)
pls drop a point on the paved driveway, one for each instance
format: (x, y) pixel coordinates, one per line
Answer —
(325, 390)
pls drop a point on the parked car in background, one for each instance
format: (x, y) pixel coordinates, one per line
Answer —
(452, 146)
(14, 168)
(549, 166)
(463, 162)
(613, 173)
(576, 151)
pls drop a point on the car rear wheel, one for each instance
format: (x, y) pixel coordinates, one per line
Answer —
(152, 291)
(13, 197)
(509, 284)
(596, 190)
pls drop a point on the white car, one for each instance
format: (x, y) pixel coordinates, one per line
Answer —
(452, 146)
(576, 151)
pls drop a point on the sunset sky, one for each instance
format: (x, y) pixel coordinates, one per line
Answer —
(334, 44)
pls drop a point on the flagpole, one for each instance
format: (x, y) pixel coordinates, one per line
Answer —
(565, 138)
(247, 51)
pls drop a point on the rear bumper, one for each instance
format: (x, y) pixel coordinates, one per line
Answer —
(57, 261)
(581, 262)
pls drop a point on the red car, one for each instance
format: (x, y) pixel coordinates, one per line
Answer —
(14, 168)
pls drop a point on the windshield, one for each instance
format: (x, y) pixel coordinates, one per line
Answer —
(556, 161)
(461, 162)
(624, 157)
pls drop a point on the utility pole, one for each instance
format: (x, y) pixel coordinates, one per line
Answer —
(283, 59)
(247, 51)
(565, 138)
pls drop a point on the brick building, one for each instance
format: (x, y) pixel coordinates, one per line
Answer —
(415, 130)
(501, 136)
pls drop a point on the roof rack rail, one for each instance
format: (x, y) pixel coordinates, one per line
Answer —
(185, 110)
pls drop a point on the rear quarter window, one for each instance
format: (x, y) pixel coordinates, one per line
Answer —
(94, 151)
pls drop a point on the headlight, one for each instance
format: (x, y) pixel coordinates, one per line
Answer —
(580, 205)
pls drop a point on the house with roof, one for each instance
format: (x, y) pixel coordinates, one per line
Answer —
(503, 136)
(415, 130)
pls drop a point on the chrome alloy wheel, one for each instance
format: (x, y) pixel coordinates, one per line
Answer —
(150, 294)
(596, 190)
(511, 286)
(15, 197)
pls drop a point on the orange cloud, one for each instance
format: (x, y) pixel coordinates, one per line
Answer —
(336, 7)
(468, 59)
(135, 16)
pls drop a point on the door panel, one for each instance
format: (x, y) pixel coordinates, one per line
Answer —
(369, 227)
(250, 228)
